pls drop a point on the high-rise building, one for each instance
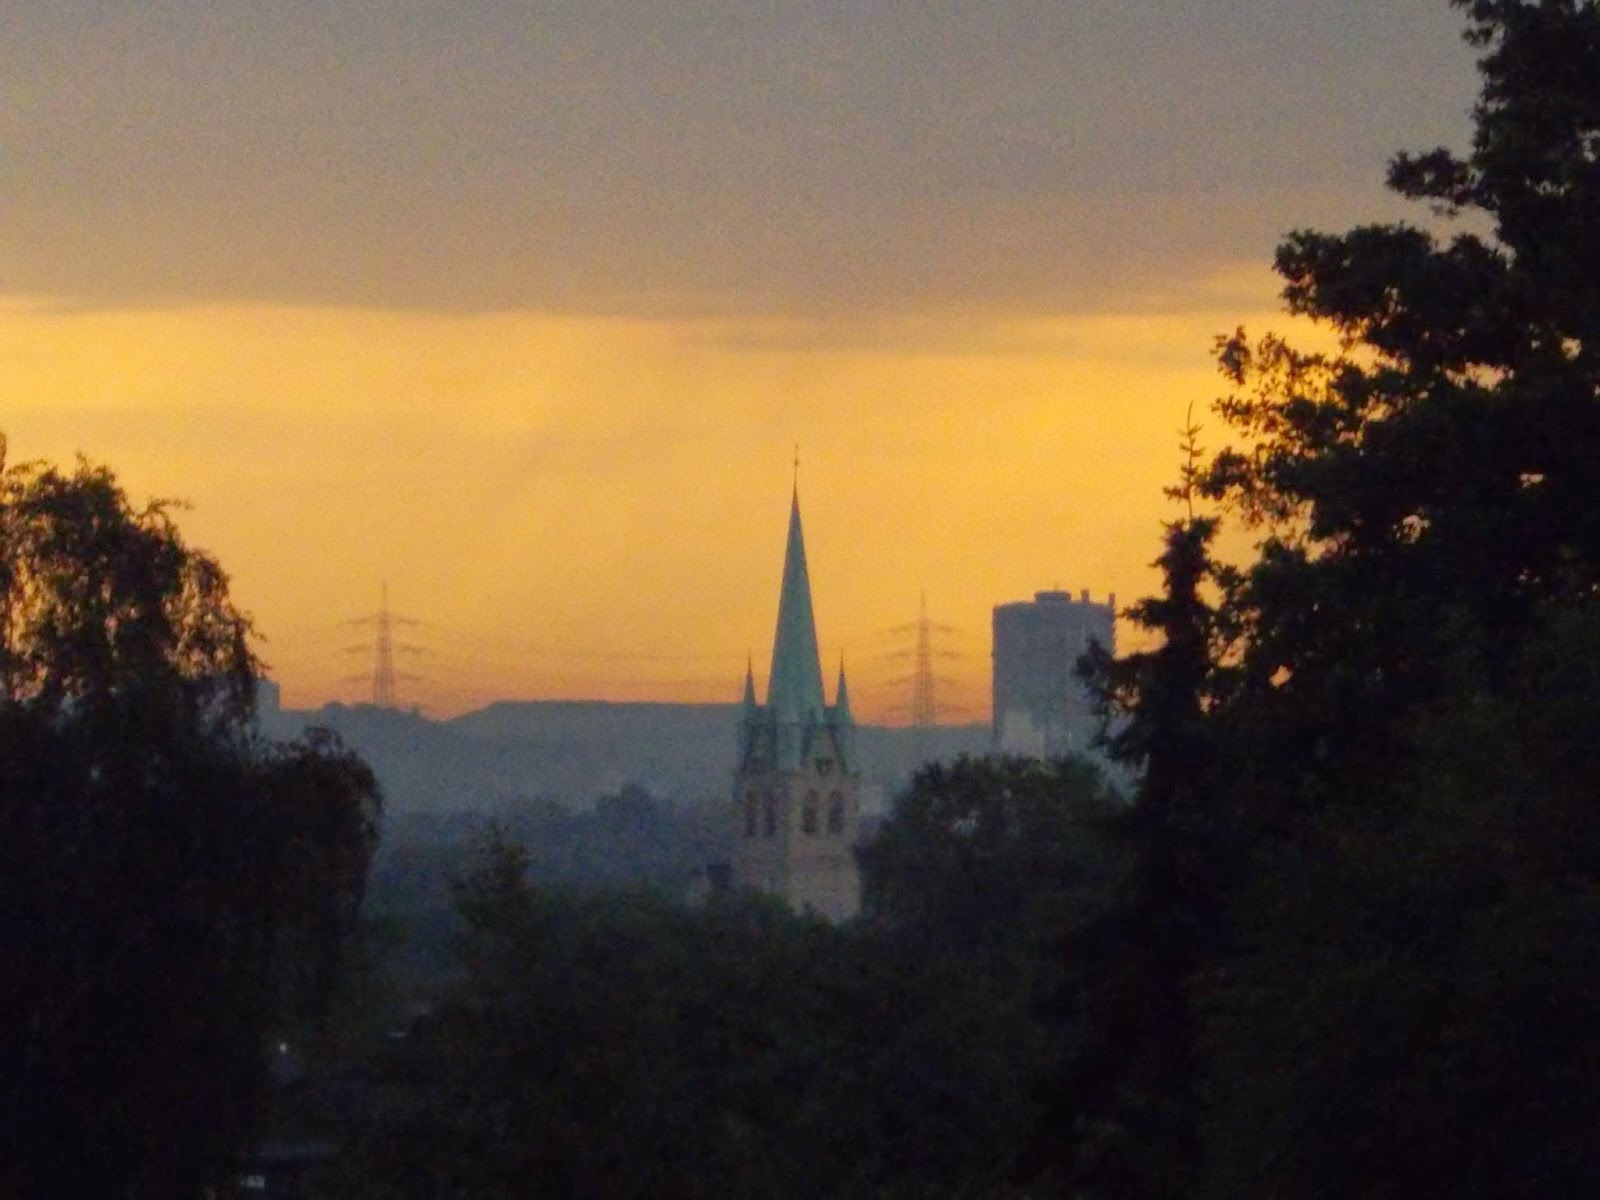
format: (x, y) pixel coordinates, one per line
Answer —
(1041, 707)
(796, 797)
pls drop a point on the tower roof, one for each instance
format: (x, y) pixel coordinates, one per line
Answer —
(794, 687)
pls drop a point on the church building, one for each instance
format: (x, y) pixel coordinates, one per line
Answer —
(796, 798)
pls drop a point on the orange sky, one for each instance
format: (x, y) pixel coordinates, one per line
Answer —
(586, 507)
(523, 308)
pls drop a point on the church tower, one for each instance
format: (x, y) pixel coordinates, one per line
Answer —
(796, 796)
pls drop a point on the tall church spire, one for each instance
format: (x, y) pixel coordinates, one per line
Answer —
(796, 808)
(794, 687)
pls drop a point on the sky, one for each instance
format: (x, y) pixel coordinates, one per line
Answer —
(522, 309)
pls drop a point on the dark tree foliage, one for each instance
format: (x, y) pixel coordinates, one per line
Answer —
(597, 1042)
(1356, 954)
(987, 858)
(1412, 1007)
(1426, 488)
(1398, 997)
(621, 1044)
(629, 840)
(169, 889)
(320, 803)
(1124, 1118)
(1155, 703)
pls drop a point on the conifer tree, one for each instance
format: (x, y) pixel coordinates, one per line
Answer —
(1125, 1116)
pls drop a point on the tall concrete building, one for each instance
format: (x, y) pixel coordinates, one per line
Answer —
(796, 796)
(1040, 706)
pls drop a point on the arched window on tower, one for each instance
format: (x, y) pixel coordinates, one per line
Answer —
(750, 814)
(771, 807)
(810, 817)
(836, 813)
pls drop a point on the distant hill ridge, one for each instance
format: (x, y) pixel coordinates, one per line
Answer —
(579, 750)
(541, 719)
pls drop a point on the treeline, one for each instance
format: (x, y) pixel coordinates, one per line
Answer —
(628, 840)
(622, 1043)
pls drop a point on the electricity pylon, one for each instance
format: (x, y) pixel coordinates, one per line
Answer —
(384, 676)
(924, 705)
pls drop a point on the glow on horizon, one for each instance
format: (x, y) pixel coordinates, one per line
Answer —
(594, 508)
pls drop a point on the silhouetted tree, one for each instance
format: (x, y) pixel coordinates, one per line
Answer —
(1408, 965)
(1123, 1119)
(163, 877)
(1426, 487)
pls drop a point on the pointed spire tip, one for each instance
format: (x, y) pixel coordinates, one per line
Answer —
(794, 685)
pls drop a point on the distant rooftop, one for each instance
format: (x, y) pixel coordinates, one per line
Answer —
(1058, 597)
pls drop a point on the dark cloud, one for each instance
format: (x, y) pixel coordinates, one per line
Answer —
(663, 157)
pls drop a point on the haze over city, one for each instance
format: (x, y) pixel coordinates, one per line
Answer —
(525, 309)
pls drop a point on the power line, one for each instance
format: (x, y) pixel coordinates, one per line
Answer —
(479, 665)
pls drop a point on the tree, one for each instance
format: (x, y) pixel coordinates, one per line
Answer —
(1417, 980)
(621, 1044)
(163, 874)
(319, 804)
(1124, 1118)
(984, 870)
(1426, 488)
(1409, 959)
(985, 857)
